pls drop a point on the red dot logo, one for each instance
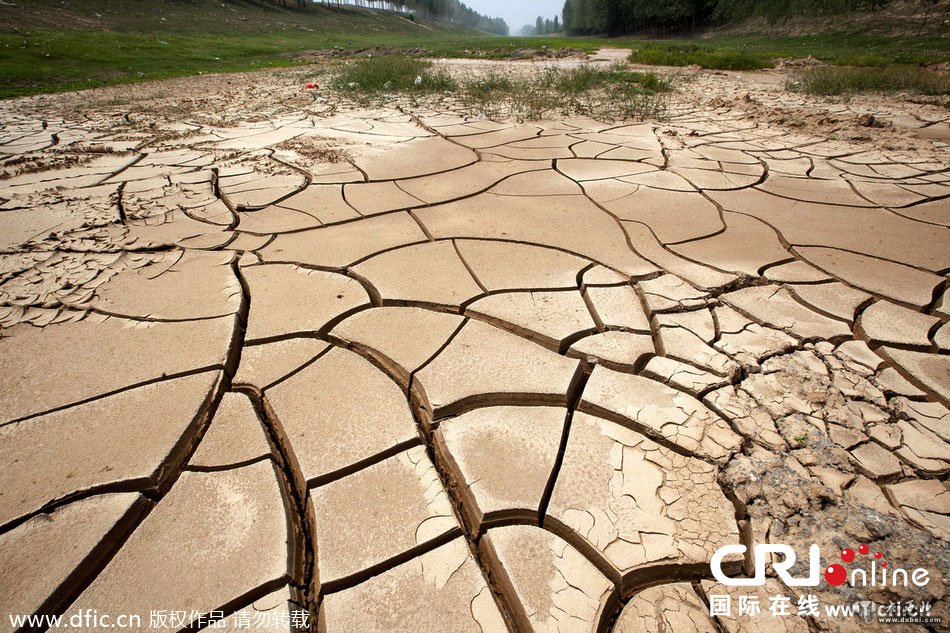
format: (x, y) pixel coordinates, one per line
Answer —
(847, 555)
(835, 575)
(864, 549)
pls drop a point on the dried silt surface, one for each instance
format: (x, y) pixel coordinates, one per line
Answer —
(405, 367)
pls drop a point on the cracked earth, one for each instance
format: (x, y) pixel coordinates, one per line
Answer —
(408, 369)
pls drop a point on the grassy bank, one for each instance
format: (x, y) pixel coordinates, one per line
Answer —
(48, 46)
(48, 61)
(51, 46)
(749, 52)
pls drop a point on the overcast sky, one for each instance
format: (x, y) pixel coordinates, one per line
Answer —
(517, 13)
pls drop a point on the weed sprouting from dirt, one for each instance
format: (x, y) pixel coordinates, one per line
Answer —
(606, 93)
(841, 80)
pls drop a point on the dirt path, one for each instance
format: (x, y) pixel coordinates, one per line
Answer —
(611, 55)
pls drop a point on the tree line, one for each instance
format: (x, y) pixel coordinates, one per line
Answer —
(446, 10)
(624, 16)
(542, 26)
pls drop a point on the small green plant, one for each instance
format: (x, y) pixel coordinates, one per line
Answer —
(801, 440)
(841, 80)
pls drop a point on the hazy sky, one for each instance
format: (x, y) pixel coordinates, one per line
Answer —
(517, 12)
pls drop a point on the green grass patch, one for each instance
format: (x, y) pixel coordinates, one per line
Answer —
(604, 93)
(839, 80)
(747, 52)
(60, 61)
(724, 59)
(577, 81)
(488, 88)
(224, 17)
(393, 73)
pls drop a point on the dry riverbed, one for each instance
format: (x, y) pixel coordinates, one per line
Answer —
(388, 364)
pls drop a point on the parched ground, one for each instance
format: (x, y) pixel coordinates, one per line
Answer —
(403, 368)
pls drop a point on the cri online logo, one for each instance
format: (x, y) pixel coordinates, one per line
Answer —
(878, 575)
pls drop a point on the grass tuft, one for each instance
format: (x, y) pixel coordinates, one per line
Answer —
(841, 80)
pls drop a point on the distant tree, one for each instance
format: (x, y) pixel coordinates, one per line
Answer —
(570, 23)
(557, 27)
(448, 10)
